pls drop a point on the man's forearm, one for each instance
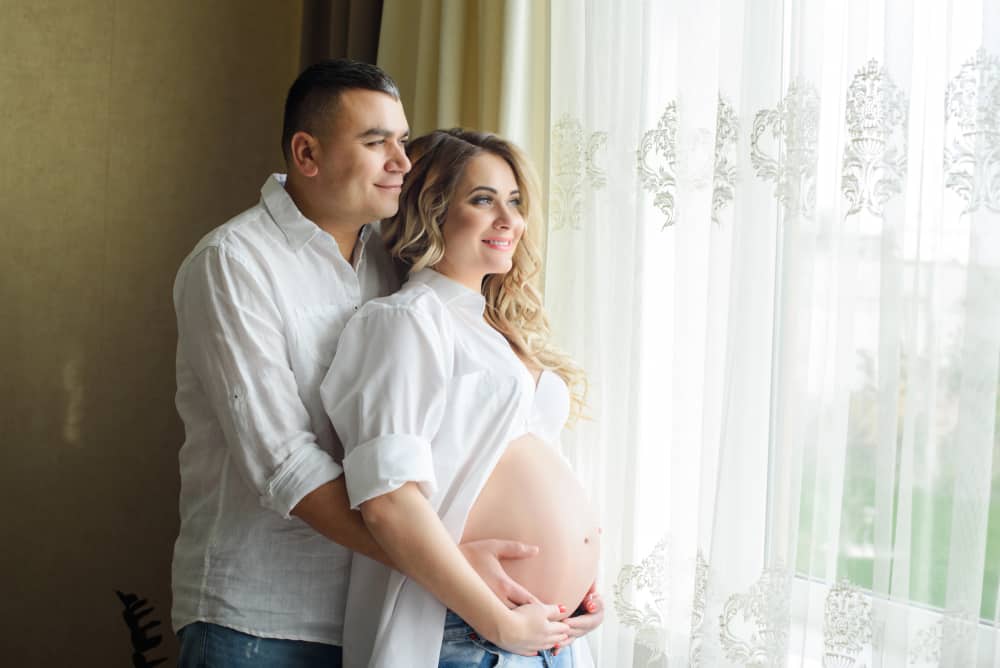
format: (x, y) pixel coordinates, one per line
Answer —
(327, 510)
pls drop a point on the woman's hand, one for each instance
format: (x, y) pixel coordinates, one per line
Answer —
(530, 628)
(583, 624)
(484, 556)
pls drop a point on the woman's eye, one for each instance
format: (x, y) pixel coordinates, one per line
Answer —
(516, 202)
(483, 199)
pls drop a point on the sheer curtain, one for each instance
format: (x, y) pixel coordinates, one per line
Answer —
(774, 243)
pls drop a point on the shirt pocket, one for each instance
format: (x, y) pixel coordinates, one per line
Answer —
(317, 331)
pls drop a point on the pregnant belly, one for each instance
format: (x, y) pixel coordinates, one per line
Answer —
(532, 496)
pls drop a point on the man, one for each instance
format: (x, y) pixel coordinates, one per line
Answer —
(260, 566)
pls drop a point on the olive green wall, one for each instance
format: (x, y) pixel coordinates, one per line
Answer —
(127, 130)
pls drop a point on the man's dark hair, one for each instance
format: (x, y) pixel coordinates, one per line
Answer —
(316, 91)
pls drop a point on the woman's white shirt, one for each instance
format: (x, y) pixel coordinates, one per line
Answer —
(421, 389)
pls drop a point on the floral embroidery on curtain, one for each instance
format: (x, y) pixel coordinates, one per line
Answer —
(727, 130)
(875, 155)
(658, 159)
(753, 626)
(847, 625)
(945, 642)
(794, 128)
(659, 176)
(646, 581)
(972, 111)
(698, 606)
(574, 166)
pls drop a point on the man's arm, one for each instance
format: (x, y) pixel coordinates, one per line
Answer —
(327, 510)
(232, 339)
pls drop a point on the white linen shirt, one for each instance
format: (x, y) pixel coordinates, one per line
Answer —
(421, 389)
(260, 304)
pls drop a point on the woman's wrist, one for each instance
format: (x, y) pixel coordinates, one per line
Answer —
(495, 624)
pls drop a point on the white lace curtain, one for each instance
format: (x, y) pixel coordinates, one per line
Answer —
(774, 244)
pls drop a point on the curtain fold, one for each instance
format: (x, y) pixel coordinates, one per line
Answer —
(479, 64)
(340, 29)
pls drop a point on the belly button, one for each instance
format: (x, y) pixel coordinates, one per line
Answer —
(586, 539)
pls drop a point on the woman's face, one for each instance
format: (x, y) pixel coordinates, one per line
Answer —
(484, 224)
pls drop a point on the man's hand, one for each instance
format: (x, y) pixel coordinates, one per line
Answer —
(484, 556)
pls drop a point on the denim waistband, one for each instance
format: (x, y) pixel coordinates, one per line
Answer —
(457, 629)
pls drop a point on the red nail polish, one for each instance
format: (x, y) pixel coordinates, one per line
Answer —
(562, 608)
(473, 636)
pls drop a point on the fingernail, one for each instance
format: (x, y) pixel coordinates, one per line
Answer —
(562, 608)
(473, 636)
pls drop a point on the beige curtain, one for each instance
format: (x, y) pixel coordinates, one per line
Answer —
(480, 64)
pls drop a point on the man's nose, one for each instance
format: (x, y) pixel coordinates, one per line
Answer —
(398, 160)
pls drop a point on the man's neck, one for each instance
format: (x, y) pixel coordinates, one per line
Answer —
(345, 234)
(346, 241)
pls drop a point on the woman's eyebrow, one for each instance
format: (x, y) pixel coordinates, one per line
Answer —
(515, 191)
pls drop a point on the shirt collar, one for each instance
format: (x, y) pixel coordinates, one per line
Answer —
(450, 292)
(298, 229)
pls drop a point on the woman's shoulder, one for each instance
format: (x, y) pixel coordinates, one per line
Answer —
(413, 297)
(414, 302)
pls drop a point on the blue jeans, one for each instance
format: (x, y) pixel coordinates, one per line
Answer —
(463, 648)
(212, 646)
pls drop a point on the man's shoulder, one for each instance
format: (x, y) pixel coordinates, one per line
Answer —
(246, 233)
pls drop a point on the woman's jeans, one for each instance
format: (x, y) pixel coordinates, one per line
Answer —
(463, 648)
(213, 646)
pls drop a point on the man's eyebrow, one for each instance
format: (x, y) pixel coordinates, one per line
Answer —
(380, 132)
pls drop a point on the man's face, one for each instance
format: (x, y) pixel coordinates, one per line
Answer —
(362, 158)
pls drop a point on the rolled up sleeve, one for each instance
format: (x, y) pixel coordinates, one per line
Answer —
(385, 394)
(231, 336)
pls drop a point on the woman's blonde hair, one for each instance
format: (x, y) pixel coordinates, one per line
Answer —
(414, 239)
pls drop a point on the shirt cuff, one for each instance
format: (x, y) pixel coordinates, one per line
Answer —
(305, 470)
(385, 464)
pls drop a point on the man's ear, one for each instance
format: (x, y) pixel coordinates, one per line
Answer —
(304, 150)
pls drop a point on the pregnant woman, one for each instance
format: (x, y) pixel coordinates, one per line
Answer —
(448, 398)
